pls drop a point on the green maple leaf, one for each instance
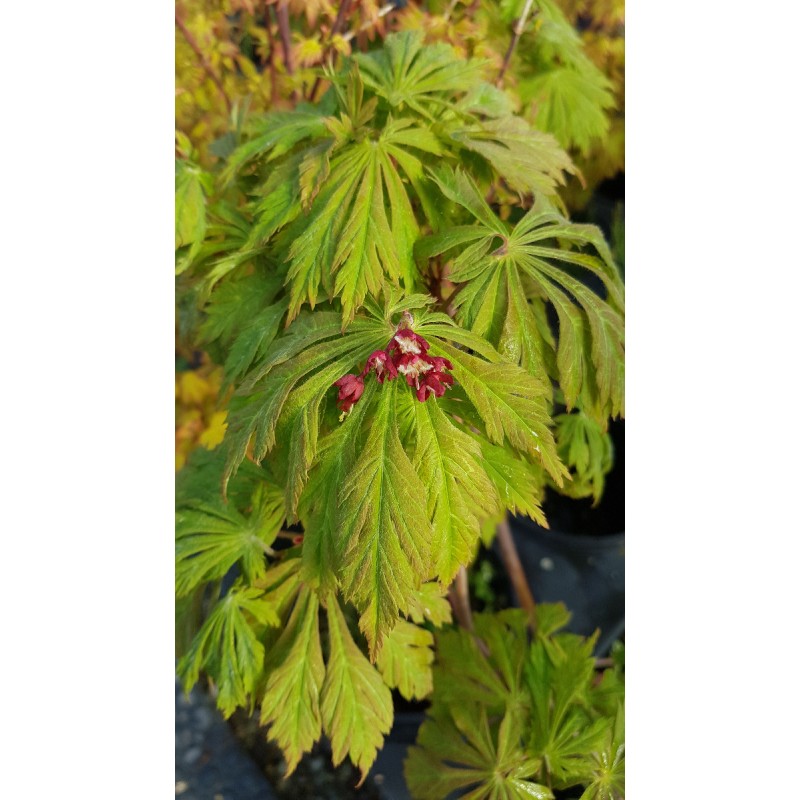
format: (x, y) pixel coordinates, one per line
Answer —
(288, 387)
(234, 303)
(356, 704)
(405, 660)
(296, 671)
(572, 104)
(430, 602)
(511, 404)
(531, 161)
(460, 493)
(211, 538)
(587, 450)
(423, 77)
(604, 778)
(228, 647)
(273, 134)
(461, 749)
(192, 188)
(517, 482)
(385, 541)
(501, 267)
(559, 673)
(361, 227)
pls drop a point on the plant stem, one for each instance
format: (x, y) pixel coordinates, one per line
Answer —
(206, 64)
(519, 27)
(382, 12)
(282, 14)
(450, 8)
(459, 600)
(344, 10)
(273, 72)
(510, 559)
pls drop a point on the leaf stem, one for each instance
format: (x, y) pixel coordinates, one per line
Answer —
(510, 559)
(206, 64)
(519, 27)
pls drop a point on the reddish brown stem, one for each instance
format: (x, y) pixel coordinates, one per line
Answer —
(510, 559)
(273, 72)
(206, 64)
(344, 10)
(459, 600)
(284, 31)
(519, 27)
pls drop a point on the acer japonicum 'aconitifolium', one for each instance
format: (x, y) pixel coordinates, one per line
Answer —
(405, 320)
(406, 354)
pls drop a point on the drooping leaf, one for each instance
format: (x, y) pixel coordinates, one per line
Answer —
(510, 403)
(297, 371)
(227, 647)
(356, 704)
(385, 535)
(460, 493)
(405, 660)
(361, 227)
(318, 507)
(518, 483)
(588, 452)
(290, 705)
(530, 160)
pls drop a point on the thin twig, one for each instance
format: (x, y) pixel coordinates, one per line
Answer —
(519, 27)
(382, 12)
(510, 559)
(344, 9)
(451, 6)
(206, 64)
(273, 71)
(282, 13)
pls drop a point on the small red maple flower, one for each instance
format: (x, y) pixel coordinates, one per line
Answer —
(407, 355)
(412, 366)
(382, 363)
(351, 387)
(434, 382)
(406, 341)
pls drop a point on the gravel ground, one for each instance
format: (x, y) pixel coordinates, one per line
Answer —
(210, 764)
(215, 760)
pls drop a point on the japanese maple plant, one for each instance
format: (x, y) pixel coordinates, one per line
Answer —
(416, 343)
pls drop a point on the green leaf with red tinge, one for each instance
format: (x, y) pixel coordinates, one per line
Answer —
(356, 707)
(290, 705)
(228, 647)
(385, 540)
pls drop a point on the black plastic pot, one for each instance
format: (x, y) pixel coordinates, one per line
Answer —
(586, 573)
(580, 561)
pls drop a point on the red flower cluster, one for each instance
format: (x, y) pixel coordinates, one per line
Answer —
(406, 354)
